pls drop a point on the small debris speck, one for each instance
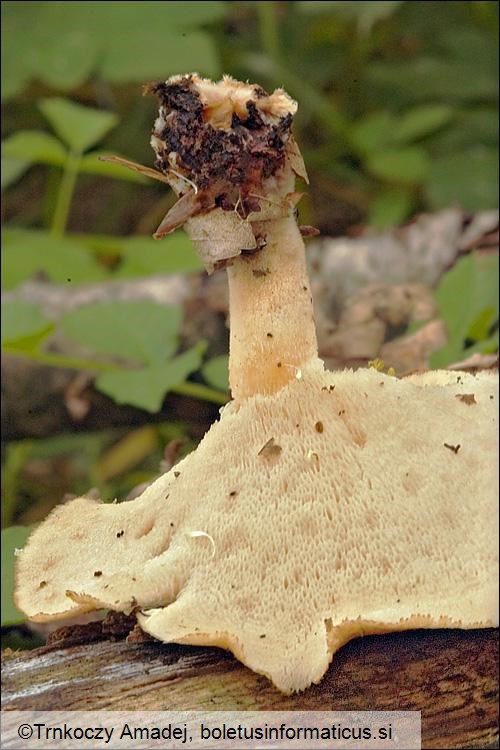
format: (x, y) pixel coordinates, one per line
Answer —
(270, 449)
(97, 573)
(177, 474)
(454, 448)
(318, 426)
(269, 335)
(312, 458)
(120, 534)
(42, 584)
(467, 398)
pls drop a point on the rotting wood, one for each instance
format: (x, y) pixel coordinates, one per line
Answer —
(449, 675)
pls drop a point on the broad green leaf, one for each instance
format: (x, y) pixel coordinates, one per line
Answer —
(486, 346)
(390, 207)
(138, 331)
(150, 14)
(12, 170)
(91, 164)
(366, 11)
(215, 372)
(35, 146)
(146, 388)
(16, 18)
(467, 179)
(432, 78)
(21, 319)
(62, 52)
(471, 44)
(63, 260)
(67, 42)
(420, 121)
(469, 127)
(79, 127)
(144, 256)
(372, 132)
(469, 288)
(29, 344)
(480, 327)
(167, 53)
(13, 538)
(401, 165)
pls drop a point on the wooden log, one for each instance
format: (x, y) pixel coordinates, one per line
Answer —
(448, 675)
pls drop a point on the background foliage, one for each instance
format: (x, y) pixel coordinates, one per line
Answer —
(398, 114)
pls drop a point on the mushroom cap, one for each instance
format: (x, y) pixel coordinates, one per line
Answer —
(345, 504)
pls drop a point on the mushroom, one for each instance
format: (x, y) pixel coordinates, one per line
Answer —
(321, 506)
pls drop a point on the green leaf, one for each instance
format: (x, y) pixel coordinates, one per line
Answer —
(21, 319)
(144, 256)
(366, 11)
(480, 327)
(487, 346)
(12, 170)
(390, 207)
(167, 53)
(91, 164)
(373, 131)
(150, 15)
(12, 538)
(36, 147)
(468, 179)
(137, 331)
(469, 128)
(66, 43)
(79, 127)
(146, 388)
(469, 288)
(420, 121)
(63, 260)
(432, 78)
(470, 44)
(410, 164)
(215, 372)
(16, 18)
(60, 50)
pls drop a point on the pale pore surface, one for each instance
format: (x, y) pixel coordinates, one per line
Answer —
(363, 522)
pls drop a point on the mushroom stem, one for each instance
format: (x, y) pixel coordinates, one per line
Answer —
(271, 312)
(227, 150)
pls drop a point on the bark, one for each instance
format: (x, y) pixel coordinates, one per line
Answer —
(448, 675)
